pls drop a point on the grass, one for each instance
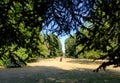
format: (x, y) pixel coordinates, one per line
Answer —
(86, 61)
(66, 76)
(49, 74)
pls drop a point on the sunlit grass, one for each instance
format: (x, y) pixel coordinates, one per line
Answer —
(50, 74)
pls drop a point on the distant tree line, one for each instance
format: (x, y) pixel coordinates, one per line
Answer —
(73, 49)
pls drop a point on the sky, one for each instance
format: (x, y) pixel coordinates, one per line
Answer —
(62, 39)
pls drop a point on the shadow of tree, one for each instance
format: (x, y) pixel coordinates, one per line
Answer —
(48, 74)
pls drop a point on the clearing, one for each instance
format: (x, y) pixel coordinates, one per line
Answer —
(54, 71)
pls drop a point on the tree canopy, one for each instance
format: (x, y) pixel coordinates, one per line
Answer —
(104, 32)
(54, 45)
(104, 17)
(20, 26)
(74, 48)
(22, 21)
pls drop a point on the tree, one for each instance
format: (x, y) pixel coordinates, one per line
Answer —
(64, 16)
(104, 16)
(73, 47)
(54, 45)
(20, 26)
(70, 48)
(104, 32)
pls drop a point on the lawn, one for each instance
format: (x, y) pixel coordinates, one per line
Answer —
(53, 71)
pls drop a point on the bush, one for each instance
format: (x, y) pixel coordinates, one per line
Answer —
(90, 54)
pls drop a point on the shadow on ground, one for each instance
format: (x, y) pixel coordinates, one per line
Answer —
(48, 74)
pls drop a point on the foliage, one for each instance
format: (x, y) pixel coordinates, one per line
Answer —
(70, 48)
(64, 17)
(90, 54)
(104, 33)
(54, 45)
(20, 26)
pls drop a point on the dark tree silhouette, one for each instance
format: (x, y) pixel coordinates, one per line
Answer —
(104, 32)
(63, 16)
(104, 17)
